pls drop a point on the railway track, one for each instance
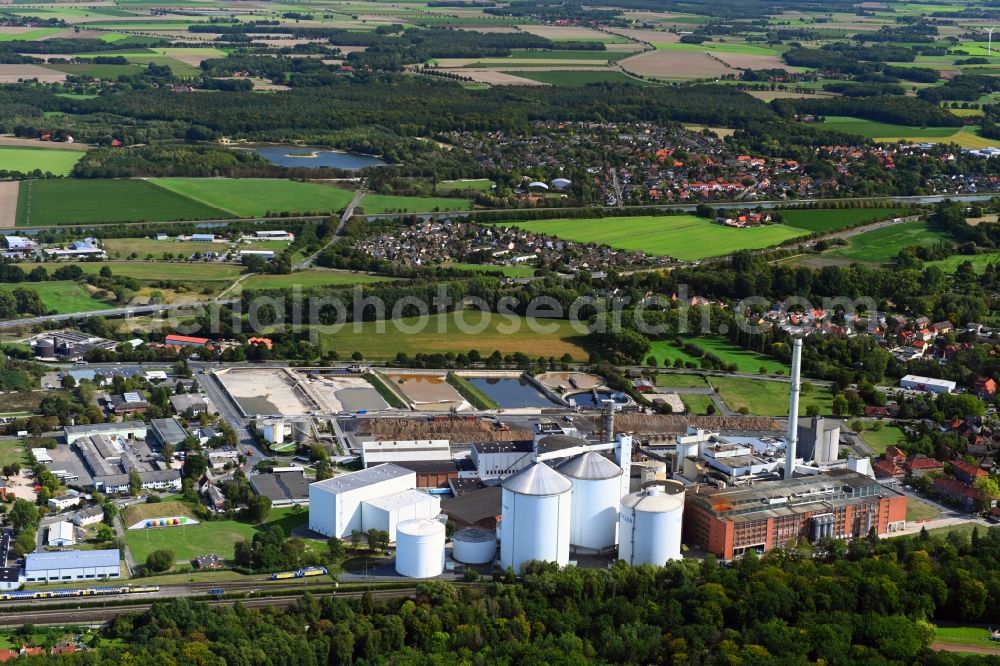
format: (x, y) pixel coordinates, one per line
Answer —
(97, 614)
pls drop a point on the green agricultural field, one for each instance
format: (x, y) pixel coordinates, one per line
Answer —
(310, 278)
(124, 248)
(826, 220)
(879, 440)
(155, 270)
(882, 245)
(57, 202)
(441, 334)
(964, 136)
(374, 204)
(38, 33)
(577, 79)
(744, 49)
(478, 184)
(665, 351)
(94, 70)
(256, 197)
(64, 296)
(56, 161)
(768, 398)
(567, 55)
(685, 237)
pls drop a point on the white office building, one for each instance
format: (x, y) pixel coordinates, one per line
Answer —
(335, 505)
(71, 565)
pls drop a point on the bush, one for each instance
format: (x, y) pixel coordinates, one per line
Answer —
(160, 560)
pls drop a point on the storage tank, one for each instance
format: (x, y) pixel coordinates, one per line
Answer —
(650, 527)
(535, 517)
(474, 545)
(274, 432)
(420, 548)
(45, 348)
(595, 497)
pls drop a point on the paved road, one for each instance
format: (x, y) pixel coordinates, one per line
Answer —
(113, 312)
(348, 212)
(233, 415)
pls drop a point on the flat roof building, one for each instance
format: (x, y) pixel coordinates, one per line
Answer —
(125, 429)
(376, 453)
(839, 504)
(927, 384)
(71, 565)
(385, 513)
(335, 505)
(167, 431)
(61, 534)
(282, 488)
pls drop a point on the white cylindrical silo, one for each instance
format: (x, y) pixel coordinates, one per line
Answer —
(420, 548)
(595, 498)
(474, 545)
(650, 527)
(535, 517)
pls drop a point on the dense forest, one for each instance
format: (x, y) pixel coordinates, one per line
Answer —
(870, 602)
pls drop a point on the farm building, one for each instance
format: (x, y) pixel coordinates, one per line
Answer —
(928, 384)
(61, 534)
(202, 238)
(274, 234)
(173, 340)
(70, 565)
(266, 255)
(335, 505)
(18, 245)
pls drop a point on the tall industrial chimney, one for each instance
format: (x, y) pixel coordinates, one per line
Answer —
(608, 420)
(793, 408)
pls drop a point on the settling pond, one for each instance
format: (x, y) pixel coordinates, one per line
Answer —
(511, 393)
(314, 157)
(586, 399)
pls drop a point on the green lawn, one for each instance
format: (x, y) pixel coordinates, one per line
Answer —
(672, 380)
(878, 440)
(882, 245)
(64, 296)
(825, 220)
(978, 261)
(126, 247)
(256, 197)
(441, 334)
(576, 79)
(697, 404)
(478, 184)
(387, 203)
(685, 237)
(747, 361)
(57, 202)
(217, 537)
(978, 636)
(309, 278)
(56, 161)
(13, 451)
(768, 398)
(917, 511)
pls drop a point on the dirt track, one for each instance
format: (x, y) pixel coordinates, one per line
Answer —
(941, 646)
(8, 204)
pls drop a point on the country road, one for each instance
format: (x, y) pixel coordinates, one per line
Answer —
(336, 234)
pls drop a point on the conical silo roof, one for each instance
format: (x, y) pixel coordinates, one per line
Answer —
(590, 465)
(537, 479)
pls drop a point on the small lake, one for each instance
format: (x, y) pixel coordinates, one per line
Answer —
(511, 393)
(313, 157)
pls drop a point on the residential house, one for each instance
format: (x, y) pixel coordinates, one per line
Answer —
(88, 515)
(966, 472)
(887, 469)
(965, 495)
(985, 387)
(920, 465)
